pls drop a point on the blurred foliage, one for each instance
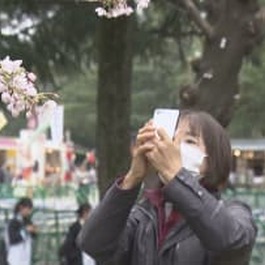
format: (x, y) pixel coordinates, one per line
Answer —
(79, 98)
(59, 43)
(52, 39)
(249, 118)
(156, 84)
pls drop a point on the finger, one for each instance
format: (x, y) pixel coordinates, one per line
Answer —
(148, 127)
(150, 130)
(152, 154)
(161, 145)
(177, 141)
(147, 136)
(149, 156)
(162, 134)
(147, 147)
(147, 123)
(150, 122)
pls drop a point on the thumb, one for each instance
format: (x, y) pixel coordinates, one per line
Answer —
(162, 134)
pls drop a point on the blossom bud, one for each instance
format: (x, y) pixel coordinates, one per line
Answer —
(6, 97)
(32, 77)
(15, 112)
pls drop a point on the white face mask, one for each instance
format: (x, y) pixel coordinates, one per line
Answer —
(81, 221)
(191, 157)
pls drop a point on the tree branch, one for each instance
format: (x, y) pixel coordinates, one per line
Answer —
(260, 15)
(196, 16)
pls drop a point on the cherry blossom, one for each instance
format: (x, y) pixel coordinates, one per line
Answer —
(117, 8)
(18, 89)
(142, 4)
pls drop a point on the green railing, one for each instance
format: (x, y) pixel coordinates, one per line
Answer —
(253, 197)
(258, 254)
(52, 227)
(78, 194)
(54, 224)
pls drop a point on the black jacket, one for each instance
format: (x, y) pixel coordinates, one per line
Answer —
(212, 231)
(16, 227)
(69, 251)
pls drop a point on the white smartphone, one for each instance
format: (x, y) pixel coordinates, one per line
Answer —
(167, 119)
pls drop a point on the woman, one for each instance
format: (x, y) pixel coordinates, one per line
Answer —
(70, 253)
(20, 231)
(181, 219)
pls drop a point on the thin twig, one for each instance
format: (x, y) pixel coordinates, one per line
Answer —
(196, 16)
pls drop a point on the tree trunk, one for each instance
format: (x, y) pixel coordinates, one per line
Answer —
(236, 30)
(114, 98)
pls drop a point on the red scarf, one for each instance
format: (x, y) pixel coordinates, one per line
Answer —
(156, 198)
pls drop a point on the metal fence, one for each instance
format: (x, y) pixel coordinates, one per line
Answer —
(52, 227)
(258, 254)
(54, 212)
(54, 223)
(45, 194)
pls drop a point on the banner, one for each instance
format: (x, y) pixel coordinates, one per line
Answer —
(45, 114)
(57, 124)
(3, 120)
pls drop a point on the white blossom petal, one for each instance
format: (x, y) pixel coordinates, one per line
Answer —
(10, 66)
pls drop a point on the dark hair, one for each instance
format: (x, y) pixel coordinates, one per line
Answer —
(217, 144)
(23, 202)
(85, 207)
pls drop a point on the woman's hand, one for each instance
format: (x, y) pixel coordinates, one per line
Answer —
(165, 156)
(139, 165)
(32, 228)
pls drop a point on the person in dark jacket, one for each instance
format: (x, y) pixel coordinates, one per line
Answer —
(20, 231)
(70, 253)
(181, 218)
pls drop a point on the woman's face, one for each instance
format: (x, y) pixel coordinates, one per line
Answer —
(183, 134)
(25, 211)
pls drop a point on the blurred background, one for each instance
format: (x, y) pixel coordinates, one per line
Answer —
(110, 74)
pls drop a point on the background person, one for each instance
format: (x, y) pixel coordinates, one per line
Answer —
(70, 253)
(181, 218)
(20, 231)
(82, 178)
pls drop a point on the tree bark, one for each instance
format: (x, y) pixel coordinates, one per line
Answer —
(236, 30)
(114, 98)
